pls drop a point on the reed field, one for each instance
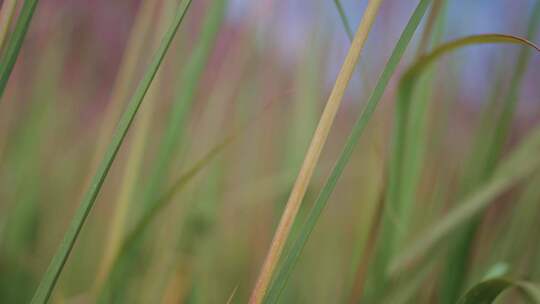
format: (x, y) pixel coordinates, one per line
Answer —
(235, 151)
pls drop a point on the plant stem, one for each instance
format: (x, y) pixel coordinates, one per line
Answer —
(7, 62)
(6, 15)
(313, 153)
(56, 266)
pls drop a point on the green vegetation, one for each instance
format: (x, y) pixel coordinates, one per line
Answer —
(219, 156)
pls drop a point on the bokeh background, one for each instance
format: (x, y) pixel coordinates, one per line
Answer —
(262, 72)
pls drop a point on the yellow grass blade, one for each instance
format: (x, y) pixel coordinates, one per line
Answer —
(313, 153)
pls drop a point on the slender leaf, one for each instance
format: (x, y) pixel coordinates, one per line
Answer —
(134, 159)
(288, 263)
(405, 164)
(57, 264)
(7, 62)
(190, 77)
(521, 163)
(344, 20)
(7, 12)
(487, 291)
(130, 246)
(189, 81)
(177, 186)
(490, 143)
(313, 153)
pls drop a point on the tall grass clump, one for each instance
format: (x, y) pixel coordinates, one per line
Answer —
(127, 257)
(46, 286)
(313, 153)
(270, 154)
(490, 146)
(13, 45)
(360, 124)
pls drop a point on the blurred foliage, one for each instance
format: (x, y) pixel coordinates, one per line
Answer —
(194, 194)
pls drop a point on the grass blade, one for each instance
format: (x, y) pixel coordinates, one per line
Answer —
(487, 291)
(125, 79)
(55, 267)
(177, 186)
(6, 15)
(139, 132)
(508, 174)
(344, 19)
(491, 142)
(291, 258)
(7, 62)
(129, 247)
(189, 79)
(190, 76)
(522, 162)
(405, 164)
(313, 153)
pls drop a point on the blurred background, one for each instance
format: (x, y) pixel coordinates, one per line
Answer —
(259, 71)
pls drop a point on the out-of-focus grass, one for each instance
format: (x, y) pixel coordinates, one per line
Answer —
(6, 15)
(191, 202)
(293, 254)
(313, 153)
(58, 261)
(489, 145)
(13, 46)
(142, 125)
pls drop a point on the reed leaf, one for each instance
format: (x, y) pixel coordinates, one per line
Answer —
(490, 143)
(48, 282)
(518, 165)
(13, 47)
(344, 19)
(405, 164)
(189, 81)
(507, 177)
(139, 131)
(487, 291)
(314, 151)
(296, 247)
(120, 276)
(130, 245)
(6, 15)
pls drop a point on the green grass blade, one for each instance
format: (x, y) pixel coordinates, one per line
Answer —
(344, 19)
(119, 279)
(408, 81)
(400, 188)
(313, 154)
(177, 187)
(522, 162)
(288, 263)
(491, 143)
(189, 81)
(140, 131)
(130, 246)
(405, 164)
(509, 107)
(129, 249)
(131, 243)
(7, 12)
(7, 62)
(406, 159)
(487, 291)
(55, 267)
(530, 290)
